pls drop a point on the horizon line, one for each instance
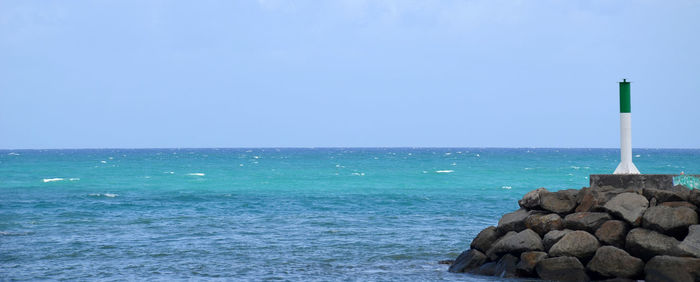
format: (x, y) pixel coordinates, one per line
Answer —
(333, 147)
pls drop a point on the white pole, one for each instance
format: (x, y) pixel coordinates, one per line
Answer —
(626, 166)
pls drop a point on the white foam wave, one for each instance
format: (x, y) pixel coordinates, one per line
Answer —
(108, 195)
(13, 154)
(637, 156)
(196, 174)
(358, 173)
(169, 172)
(53, 179)
(506, 187)
(444, 171)
(74, 179)
(104, 162)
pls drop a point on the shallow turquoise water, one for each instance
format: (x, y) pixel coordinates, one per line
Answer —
(272, 214)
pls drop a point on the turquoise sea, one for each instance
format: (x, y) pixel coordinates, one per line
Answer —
(273, 214)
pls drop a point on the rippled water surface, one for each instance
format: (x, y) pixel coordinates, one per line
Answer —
(259, 214)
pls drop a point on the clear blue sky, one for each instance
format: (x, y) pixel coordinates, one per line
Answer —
(132, 74)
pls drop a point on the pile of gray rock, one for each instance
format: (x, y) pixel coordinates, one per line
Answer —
(600, 233)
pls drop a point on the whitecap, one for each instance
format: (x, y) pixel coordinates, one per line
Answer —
(506, 187)
(478, 155)
(74, 179)
(447, 154)
(637, 156)
(196, 174)
(454, 164)
(104, 162)
(111, 158)
(358, 173)
(108, 195)
(575, 167)
(13, 154)
(444, 171)
(169, 172)
(53, 179)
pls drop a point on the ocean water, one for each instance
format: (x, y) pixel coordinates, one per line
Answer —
(273, 214)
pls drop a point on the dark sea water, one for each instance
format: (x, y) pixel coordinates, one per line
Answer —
(273, 214)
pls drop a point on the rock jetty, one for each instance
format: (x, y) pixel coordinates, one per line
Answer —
(592, 234)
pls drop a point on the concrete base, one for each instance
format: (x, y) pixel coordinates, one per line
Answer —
(639, 181)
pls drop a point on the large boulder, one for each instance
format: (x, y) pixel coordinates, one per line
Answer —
(609, 261)
(587, 221)
(628, 206)
(543, 223)
(612, 232)
(691, 243)
(579, 244)
(590, 199)
(669, 268)
(552, 237)
(694, 197)
(664, 195)
(528, 261)
(506, 266)
(488, 269)
(680, 204)
(562, 269)
(561, 202)
(668, 220)
(645, 244)
(523, 241)
(468, 260)
(485, 239)
(531, 200)
(513, 221)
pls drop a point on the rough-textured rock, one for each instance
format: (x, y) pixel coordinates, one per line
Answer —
(680, 204)
(593, 199)
(645, 244)
(528, 261)
(586, 200)
(572, 193)
(628, 206)
(485, 239)
(694, 197)
(579, 244)
(587, 221)
(612, 232)
(523, 241)
(531, 200)
(691, 243)
(609, 261)
(513, 221)
(543, 223)
(668, 268)
(506, 266)
(488, 269)
(560, 202)
(665, 195)
(561, 269)
(552, 237)
(670, 221)
(468, 260)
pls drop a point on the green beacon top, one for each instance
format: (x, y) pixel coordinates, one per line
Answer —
(625, 97)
